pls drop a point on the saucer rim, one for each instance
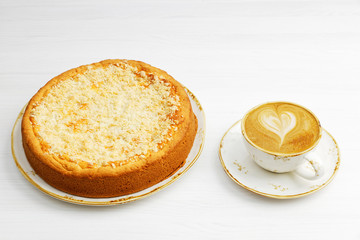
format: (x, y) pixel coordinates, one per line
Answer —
(275, 195)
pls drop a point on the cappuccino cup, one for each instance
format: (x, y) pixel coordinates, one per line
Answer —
(282, 136)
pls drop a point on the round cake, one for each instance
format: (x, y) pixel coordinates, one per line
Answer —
(108, 129)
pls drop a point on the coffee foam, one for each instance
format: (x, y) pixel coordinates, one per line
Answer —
(282, 128)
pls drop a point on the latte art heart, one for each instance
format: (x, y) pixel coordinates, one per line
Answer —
(279, 123)
(281, 127)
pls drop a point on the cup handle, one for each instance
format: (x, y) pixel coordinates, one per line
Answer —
(315, 173)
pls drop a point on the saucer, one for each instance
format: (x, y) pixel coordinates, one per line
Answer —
(29, 173)
(239, 166)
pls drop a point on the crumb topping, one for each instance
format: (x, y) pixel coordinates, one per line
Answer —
(109, 115)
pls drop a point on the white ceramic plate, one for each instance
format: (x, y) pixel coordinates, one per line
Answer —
(28, 172)
(244, 171)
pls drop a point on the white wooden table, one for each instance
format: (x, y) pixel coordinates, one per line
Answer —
(232, 55)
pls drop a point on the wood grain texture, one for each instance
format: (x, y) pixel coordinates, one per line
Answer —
(232, 55)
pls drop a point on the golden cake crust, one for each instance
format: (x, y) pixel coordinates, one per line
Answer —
(113, 178)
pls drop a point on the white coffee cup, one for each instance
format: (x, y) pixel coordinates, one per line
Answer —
(285, 162)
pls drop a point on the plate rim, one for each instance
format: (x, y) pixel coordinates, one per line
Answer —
(276, 196)
(121, 199)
